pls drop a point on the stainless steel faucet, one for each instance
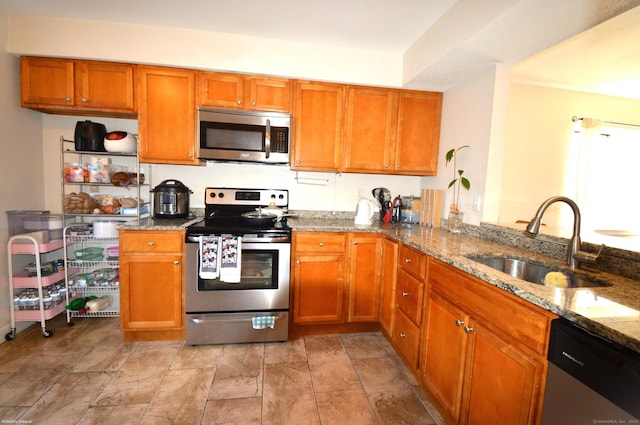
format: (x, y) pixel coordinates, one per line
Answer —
(574, 250)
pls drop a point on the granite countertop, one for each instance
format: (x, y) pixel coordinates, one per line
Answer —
(610, 311)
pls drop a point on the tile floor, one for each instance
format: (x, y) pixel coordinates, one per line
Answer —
(87, 374)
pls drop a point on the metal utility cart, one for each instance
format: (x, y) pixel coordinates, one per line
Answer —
(50, 293)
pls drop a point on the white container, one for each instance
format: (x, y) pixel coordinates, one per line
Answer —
(100, 303)
(106, 228)
(125, 142)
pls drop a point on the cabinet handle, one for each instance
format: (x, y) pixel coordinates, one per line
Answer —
(405, 294)
(402, 335)
(297, 162)
(355, 242)
(150, 243)
(84, 100)
(321, 243)
(297, 261)
(253, 103)
(467, 329)
(459, 322)
(67, 99)
(176, 262)
(407, 260)
(386, 165)
(239, 102)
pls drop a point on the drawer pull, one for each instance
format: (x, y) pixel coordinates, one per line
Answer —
(405, 294)
(407, 260)
(67, 99)
(402, 335)
(321, 243)
(150, 243)
(467, 329)
(459, 322)
(355, 242)
(176, 262)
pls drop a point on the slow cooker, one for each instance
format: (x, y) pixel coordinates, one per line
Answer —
(171, 200)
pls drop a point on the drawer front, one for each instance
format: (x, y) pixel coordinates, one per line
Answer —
(151, 241)
(412, 261)
(409, 296)
(406, 337)
(523, 321)
(319, 242)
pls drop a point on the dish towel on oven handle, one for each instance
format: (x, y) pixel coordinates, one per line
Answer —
(263, 322)
(231, 259)
(209, 257)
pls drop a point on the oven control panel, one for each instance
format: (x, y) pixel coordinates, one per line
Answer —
(250, 197)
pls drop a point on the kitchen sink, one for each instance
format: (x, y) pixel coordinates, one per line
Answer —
(536, 273)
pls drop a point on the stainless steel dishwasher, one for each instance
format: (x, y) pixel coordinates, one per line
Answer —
(590, 380)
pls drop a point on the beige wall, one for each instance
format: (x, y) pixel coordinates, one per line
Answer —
(20, 162)
(537, 145)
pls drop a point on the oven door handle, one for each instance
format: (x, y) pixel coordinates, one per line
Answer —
(209, 319)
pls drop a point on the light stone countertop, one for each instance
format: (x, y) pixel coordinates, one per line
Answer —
(612, 311)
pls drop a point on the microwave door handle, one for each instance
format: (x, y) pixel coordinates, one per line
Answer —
(267, 139)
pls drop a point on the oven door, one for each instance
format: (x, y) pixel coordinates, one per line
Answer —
(264, 281)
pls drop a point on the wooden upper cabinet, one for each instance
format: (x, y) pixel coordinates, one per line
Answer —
(108, 86)
(46, 82)
(78, 87)
(318, 114)
(418, 133)
(244, 92)
(370, 136)
(166, 115)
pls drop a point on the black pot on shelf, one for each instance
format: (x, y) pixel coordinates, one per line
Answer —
(89, 136)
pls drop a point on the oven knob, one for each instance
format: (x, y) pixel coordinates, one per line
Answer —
(281, 196)
(212, 195)
(220, 195)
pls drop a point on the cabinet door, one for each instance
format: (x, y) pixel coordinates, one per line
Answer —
(364, 278)
(151, 292)
(502, 383)
(388, 284)
(166, 115)
(221, 90)
(270, 94)
(45, 82)
(318, 289)
(418, 134)
(318, 126)
(444, 349)
(370, 130)
(106, 86)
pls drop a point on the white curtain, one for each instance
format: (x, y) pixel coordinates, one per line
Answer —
(606, 162)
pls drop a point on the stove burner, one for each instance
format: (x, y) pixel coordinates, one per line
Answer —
(224, 208)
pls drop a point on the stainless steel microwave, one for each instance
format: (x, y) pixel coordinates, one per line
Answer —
(243, 136)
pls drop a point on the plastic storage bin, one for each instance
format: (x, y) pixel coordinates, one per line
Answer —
(16, 220)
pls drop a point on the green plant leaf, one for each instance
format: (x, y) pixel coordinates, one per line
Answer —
(460, 172)
(465, 183)
(452, 182)
(449, 155)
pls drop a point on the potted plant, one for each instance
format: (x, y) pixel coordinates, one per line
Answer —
(459, 181)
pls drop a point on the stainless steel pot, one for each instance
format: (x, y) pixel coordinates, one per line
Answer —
(171, 200)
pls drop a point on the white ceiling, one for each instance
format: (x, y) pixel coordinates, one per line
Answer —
(449, 39)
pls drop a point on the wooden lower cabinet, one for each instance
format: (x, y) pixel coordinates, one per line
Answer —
(388, 284)
(482, 370)
(318, 272)
(336, 277)
(151, 285)
(365, 258)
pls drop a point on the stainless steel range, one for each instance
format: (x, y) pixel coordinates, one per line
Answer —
(237, 269)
